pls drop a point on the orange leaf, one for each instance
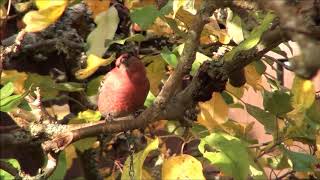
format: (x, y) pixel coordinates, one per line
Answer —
(97, 6)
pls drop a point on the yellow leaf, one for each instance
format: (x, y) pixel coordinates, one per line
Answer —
(214, 112)
(17, 78)
(253, 78)
(44, 4)
(208, 30)
(303, 93)
(155, 71)
(48, 13)
(97, 6)
(93, 63)
(70, 155)
(182, 167)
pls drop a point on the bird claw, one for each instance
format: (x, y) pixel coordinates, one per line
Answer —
(109, 118)
(138, 112)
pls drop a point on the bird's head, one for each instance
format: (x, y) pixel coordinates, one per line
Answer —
(129, 63)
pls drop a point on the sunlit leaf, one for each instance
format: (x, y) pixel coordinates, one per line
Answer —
(267, 119)
(6, 90)
(182, 167)
(149, 100)
(107, 24)
(169, 57)
(303, 93)
(10, 102)
(186, 5)
(234, 28)
(227, 153)
(138, 159)
(200, 58)
(213, 112)
(97, 6)
(48, 13)
(93, 64)
(253, 39)
(86, 116)
(4, 174)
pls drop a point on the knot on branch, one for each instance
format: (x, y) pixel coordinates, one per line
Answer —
(212, 78)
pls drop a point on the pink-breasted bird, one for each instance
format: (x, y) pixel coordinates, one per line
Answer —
(124, 88)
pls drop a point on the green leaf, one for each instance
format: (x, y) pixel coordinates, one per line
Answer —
(264, 117)
(200, 58)
(145, 16)
(6, 90)
(227, 98)
(260, 66)
(277, 102)
(278, 162)
(45, 83)
(169, 57)
(49, 88)
(149, 100)
(6, 176)
(70, 86)
(300, 161)
(86, 117)
(2, 2)
(230, 154)
(107, 24)
(93, 85)
(138, 160)
(61, 168)
(11, 102)
(253, 39)
(133, 38)
(313, 113)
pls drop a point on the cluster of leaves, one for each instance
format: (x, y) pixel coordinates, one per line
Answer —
(290, 115)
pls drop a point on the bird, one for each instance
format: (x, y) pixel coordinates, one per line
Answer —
(124, 89)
